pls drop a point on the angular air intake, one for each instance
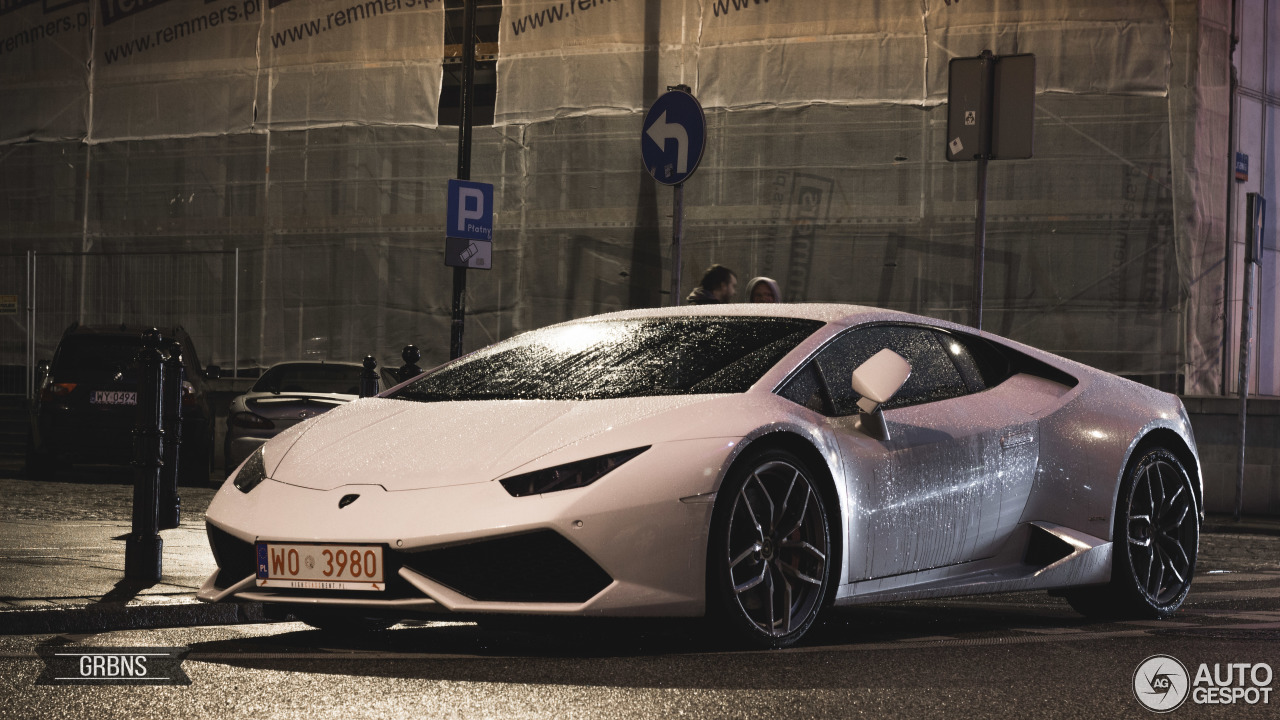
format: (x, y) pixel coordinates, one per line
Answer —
(536, 567)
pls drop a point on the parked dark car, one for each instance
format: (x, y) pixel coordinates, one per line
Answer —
(85, 410)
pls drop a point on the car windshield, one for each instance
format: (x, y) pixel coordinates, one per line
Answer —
(309, 377)
(619, 359)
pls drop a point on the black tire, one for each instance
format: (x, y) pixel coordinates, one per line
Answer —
(342, 622)
(1155, 543)
(770, 548)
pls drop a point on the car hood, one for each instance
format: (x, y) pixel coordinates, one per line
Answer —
(405, 445)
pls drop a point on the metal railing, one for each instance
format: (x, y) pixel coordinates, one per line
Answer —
(198, 290)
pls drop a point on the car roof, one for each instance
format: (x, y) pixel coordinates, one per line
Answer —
(123, 330)
(834, 313)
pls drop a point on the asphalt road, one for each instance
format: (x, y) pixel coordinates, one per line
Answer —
(1023, 655)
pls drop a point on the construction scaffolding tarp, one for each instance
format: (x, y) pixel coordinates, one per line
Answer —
(107, 71)
(305, 133)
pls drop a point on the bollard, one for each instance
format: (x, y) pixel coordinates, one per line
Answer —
(410, 355)
(143, 546)
(171, 412)
(369, 378)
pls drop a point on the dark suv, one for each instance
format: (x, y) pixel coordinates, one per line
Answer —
(85, 411)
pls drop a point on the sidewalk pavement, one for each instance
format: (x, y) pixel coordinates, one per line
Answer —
(62, 565)
(60, 577)
(62, 560)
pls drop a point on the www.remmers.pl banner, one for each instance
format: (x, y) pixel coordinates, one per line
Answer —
(138, 69)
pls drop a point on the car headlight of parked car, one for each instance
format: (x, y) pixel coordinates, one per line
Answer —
(252, 472)
(566, 477)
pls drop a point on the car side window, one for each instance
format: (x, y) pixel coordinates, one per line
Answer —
(958, 349)
(992, 365)
(808, 389)
(934, 375)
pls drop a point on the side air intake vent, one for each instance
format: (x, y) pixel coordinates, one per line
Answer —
(235, 557)
(1045, 548)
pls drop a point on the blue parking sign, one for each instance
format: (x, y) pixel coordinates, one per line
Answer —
(469, 215)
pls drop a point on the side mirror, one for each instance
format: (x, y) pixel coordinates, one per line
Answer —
(877, 380)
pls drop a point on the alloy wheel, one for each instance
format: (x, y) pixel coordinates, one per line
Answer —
(777, 549)
(1161, 532)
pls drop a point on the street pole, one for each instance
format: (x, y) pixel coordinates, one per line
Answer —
(1256, 211)
(980, 237)
(677, 237)
(1246, 342)
(1233, 84)
(464, 162)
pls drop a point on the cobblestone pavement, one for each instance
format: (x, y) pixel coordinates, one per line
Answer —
(1238, 553)
(86, 496)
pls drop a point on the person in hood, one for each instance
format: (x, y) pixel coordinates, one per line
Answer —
(719, 285)
(763, 290)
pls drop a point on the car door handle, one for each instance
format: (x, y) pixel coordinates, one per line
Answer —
(1014, 439)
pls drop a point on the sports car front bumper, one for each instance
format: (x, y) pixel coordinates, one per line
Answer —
(631, 544)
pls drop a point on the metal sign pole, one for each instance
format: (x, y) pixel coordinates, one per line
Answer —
(672, 139)
(990, 116)
(464, 164)
(980, 235)
(1256, 210)
(1246, 341)
(677, 235)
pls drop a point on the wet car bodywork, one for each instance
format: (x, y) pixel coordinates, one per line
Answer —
(85, 409)
(285, 395)
(717, 461)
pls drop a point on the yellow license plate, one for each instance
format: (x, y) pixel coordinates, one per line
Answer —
(320, 566)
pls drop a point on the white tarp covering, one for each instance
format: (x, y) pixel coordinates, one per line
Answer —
(560, 57)
(792, 53)
(304, 134)
(173, 69)
(115, 70)
(339, 62)
(564, 57)
(44, 73)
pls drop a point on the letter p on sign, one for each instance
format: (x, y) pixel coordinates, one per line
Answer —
(471, 206)
(469, 211)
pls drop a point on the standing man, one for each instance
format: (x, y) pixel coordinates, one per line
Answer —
(719, 285)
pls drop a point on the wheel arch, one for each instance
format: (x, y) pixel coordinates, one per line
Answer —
(807, 451)
(1170, 440)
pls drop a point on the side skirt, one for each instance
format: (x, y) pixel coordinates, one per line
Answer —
(1037, 556)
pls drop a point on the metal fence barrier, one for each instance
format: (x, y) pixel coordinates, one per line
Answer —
(42, 294)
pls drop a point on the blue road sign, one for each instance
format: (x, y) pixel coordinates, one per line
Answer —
(470, 212)
(674, 135)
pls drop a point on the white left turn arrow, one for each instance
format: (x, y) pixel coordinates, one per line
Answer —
(661, 131)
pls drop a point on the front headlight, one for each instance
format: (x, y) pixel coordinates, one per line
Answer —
(252, 472)
(569, 476)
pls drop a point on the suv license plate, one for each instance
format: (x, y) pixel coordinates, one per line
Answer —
(114, 397)
(317, 566)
